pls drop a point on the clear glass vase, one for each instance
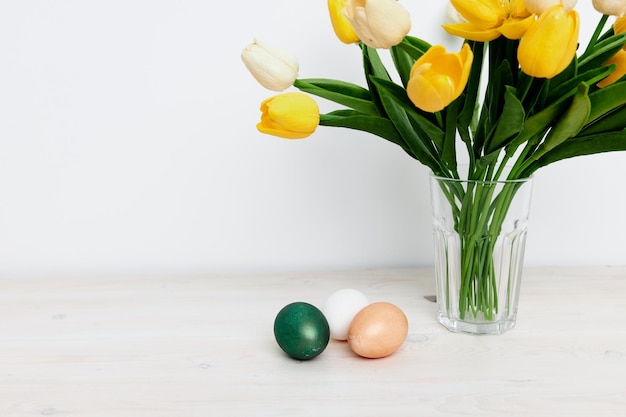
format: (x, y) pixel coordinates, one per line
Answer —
(480, 235)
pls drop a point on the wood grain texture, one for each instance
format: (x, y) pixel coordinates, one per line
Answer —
(194, 346)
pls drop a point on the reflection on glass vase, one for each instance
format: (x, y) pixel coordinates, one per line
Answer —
(480, 235)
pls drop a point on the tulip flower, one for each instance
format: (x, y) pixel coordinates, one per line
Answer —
(550, 43)
(342, 27)
(274, 68)
(490, 19)
(619, 59)
(539, 6)
(292, 115)
(610, 7)
(378, 23)
(438, 78)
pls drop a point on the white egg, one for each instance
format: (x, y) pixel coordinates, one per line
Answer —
(340, 308)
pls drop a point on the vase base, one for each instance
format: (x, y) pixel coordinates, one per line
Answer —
(477, 328)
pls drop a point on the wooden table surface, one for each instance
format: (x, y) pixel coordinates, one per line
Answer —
(191, 346)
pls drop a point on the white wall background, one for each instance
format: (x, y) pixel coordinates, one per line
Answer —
(128, 145)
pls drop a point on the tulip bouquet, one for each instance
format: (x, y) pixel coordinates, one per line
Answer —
(520, 94)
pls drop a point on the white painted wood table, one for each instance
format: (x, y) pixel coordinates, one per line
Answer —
(194, 346)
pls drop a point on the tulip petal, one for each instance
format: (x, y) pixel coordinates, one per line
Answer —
(516, 28)
(471, 32)
(290, 115)
(342, 27)
(610, 7)
(550, 43)
(466, 57)
(361, 26)
(378, 23)
(380, 13)
(274, 68)
(539, 6)
(269, 72)
(488, 19)
(484, 14)
(438, 77)
(519, 9)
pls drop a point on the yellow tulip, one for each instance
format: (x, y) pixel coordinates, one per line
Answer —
(342, 27)
(290, 115)
(610, 7)
(438, 78)
(487, 20)
(378, 23)
(550, 43)
(618, 59)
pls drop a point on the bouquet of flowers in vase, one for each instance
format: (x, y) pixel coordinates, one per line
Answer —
(520, 94)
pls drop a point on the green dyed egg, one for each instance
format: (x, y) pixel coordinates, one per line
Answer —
(301, 330)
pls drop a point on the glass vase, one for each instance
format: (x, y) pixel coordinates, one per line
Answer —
(480, 232)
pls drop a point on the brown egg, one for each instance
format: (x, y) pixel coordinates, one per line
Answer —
(378, 330)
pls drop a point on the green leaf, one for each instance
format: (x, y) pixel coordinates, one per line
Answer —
(579, 146)
(533, 93)
(448, 152)
(405, 54)
(471, 91)
(612, 121)
(502, 77)
(411, 49)
(537, 124)
(601, 52)
(510, 123)
(568, 125)
(374, 67)
(375, 125)
(403, 63)
(416, 44)
(413, 127)
(569, 87)
(494, 102)
(340, 92)
(567, 75)
(425, 120)
(342, 87)
(606, 99)
(597, 36)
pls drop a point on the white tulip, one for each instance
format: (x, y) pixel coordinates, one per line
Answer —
(610, 7)
(273, 67)
(538, 6)
(378, 23)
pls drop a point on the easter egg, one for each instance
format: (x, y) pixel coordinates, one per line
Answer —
(301, 330)
(378, 330)
(340, 308)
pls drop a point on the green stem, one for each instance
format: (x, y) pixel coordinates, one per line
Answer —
(596, 34)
